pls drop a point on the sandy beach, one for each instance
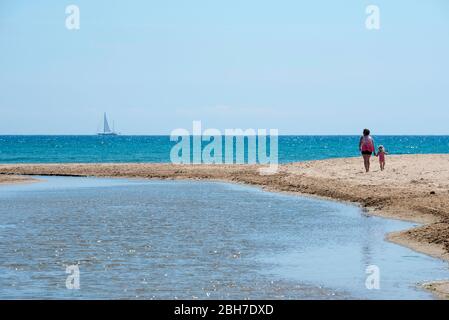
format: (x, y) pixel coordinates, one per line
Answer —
(413, 187)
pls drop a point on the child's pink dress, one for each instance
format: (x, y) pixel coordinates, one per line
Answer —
(381, 156)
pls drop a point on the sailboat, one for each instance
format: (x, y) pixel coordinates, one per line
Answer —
(106, 130)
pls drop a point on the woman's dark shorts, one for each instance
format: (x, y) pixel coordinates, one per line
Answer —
(367, 153)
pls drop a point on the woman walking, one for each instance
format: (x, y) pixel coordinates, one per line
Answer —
(367, 148)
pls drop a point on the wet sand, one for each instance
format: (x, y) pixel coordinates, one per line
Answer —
(7, 179)
(413, 187)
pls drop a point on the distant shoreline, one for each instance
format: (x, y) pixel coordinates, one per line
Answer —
(413, 188)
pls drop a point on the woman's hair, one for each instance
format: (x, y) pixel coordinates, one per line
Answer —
(366, 132)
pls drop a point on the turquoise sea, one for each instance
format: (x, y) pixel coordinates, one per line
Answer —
(42, 149)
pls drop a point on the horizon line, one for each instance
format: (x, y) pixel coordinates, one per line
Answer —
(280, 135)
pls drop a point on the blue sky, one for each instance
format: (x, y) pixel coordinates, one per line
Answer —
(303, 67)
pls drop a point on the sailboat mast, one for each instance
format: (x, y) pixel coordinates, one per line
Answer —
(105, 123)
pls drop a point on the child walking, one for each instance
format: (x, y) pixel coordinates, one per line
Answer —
(381, 154)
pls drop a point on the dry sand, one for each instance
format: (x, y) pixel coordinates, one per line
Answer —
(413, 187)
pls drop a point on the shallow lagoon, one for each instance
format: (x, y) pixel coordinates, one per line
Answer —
(206, 240)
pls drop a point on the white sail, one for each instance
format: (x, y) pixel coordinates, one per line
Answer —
(106, 128)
